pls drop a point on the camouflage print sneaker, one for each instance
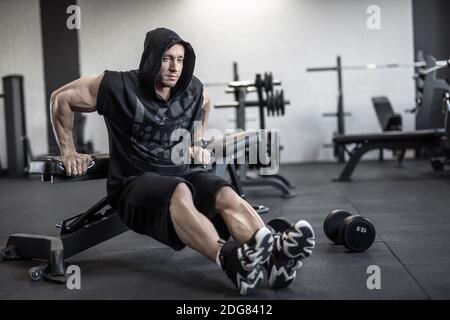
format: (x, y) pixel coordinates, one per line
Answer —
(290, 247)
(243, 262)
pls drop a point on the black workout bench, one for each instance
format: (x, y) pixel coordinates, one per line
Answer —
(432, 139)
(100, 222)
(429, 139)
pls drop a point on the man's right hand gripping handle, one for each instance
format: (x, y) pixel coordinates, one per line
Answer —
(81, 96)
(76, 164)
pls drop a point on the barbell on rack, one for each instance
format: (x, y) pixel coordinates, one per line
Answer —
(374, 66)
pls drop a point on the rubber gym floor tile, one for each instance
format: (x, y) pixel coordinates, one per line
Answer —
(329, 254)
(112, 262)
(431, 191)
(350, 282)
(3, 240)
(324, 202)
(43, 211)
(130, 241)
(262, 193)
(309, 174)
(421, 218)
(10, 273)
(14, 276)
(16, 186)
(433, 278)
(97, 270)
(275, 204)
(100, 285)
(17, 270)
(33, 221)
(392, 205)
(10, 226)
(29, 192)
(260, 196)
(316, 214)
(410, 233)
(376, 192)
(93, 261)
(442, 207)
(422, 252)
(188, 275)
(368, 171)
(322, 189)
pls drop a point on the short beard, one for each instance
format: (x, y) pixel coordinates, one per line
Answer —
(159, 82)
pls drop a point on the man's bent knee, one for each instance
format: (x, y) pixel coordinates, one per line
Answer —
(226, 196)
(182, 193)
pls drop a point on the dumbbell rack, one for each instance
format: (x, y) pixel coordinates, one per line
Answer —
(240, 90)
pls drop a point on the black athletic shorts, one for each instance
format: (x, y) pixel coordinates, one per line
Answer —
(144, 203)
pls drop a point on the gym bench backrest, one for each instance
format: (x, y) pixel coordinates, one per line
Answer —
(388, 119)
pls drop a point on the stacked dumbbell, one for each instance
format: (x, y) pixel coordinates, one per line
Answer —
(354, 232)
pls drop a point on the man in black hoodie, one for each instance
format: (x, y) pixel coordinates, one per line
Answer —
(153, 194)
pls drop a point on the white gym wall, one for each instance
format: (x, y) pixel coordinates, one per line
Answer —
(281, 36)
(21, 53)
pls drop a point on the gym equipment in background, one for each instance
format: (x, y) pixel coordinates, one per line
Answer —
(269, 101)
(340, 114)
(274, 104)
(434, 140)
(17, 143)
(429, 112)
(389, 121)
(354, 232)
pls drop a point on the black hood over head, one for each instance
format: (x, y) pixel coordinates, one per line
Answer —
(157, 42)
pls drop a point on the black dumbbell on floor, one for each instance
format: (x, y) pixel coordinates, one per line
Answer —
(354, 232)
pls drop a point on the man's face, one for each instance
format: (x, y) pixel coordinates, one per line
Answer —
(171, 66)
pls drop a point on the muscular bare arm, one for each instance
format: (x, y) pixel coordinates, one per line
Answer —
(79, 95)
(202, 155)
(206, 108)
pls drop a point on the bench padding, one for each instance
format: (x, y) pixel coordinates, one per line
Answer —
(389, 136)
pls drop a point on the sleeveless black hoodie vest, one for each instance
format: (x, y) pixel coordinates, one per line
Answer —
(139, 121)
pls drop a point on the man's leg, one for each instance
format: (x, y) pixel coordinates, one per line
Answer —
(240, 217)
(192, 227)
(242, 262)
(290, 246)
